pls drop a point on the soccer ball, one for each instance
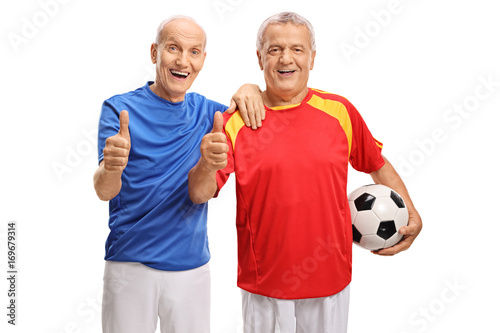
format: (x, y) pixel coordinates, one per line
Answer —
(377, 213)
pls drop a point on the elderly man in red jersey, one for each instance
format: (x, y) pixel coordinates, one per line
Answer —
(293, 219)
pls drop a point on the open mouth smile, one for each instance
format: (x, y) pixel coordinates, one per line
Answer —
(286, 72)
(179, 74)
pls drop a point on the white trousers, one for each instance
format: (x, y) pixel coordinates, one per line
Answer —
(312, 315)
(135, 296)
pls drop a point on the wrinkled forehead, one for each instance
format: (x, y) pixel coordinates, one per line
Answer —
(286, 34)
(185, 31)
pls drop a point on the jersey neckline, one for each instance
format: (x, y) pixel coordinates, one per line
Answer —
(292, 106)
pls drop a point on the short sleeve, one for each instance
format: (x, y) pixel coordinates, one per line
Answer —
(366, 151)
(109, 125)
(213, 107)
(223, 175)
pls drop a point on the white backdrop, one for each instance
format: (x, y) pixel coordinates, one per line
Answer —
(424, 74)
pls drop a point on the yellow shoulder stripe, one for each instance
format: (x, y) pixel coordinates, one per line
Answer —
(233, 126)
(338, 111)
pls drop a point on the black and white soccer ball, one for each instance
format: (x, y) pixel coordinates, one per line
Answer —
(377, 214)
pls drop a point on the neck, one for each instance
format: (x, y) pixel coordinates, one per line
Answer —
(272, 99)
(156, 89)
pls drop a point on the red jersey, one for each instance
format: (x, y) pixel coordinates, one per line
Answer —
(293, 219)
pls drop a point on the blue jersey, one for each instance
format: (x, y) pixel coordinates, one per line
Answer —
(152, 220)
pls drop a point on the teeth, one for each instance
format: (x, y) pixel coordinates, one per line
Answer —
(179, 73)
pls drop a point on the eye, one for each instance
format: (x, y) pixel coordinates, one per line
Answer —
(273, 50)
(195, 52)
(172, 48)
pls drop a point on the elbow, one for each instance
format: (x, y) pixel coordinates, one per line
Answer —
(103, 196)
(197, 198)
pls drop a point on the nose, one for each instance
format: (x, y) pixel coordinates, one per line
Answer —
(181, 60)
(286, 57)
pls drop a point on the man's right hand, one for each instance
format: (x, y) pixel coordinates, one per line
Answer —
(117, 148)
(214, 146)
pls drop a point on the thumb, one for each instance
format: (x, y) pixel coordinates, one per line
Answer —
(232, 107)
(218, 122)
(124, 124)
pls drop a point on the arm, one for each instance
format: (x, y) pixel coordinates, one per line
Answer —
(249, 102)
(107, 184)
(202, 182)
(107, 178)
(388, 176)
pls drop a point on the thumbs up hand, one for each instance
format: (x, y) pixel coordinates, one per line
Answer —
(117, 147)
(214, 146)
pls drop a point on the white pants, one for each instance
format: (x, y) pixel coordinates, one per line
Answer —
(135, 296)
(312, 315)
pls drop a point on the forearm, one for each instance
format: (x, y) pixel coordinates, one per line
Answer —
(202, 183)
(388, 176)
(107, 184)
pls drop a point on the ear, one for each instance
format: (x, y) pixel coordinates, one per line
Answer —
(313, 55)
(260, 60)
(154, 53)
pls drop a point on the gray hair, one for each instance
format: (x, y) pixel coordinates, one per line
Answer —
(173, 18)
(285, 17)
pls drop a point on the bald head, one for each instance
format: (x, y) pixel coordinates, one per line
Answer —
(179, 23)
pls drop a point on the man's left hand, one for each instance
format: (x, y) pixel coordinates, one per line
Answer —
(410, 232)
(249, 102)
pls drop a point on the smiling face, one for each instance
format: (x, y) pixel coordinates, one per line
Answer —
(179, 57)
(286, 58)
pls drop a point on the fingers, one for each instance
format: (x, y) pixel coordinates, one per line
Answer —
(214, 151)
(117, 148)
(124, 124)
(409, 234)
(218, 123)
(244, 114)
(232, 107)
(390, 251)
(262, 109)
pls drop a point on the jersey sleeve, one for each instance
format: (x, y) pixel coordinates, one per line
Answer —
(214, 107)
(366, 151)
(223, 175)
(109, 125)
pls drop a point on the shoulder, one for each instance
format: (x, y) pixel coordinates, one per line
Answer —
(130, 94)
(330, 97)
(194, 98)
(126, 97)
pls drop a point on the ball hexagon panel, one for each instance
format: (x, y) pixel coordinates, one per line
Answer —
(385, 208)
(372, 242)
(378, 190)
(366, 222)
(401, 218)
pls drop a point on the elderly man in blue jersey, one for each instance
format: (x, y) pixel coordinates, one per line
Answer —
(157, 249)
